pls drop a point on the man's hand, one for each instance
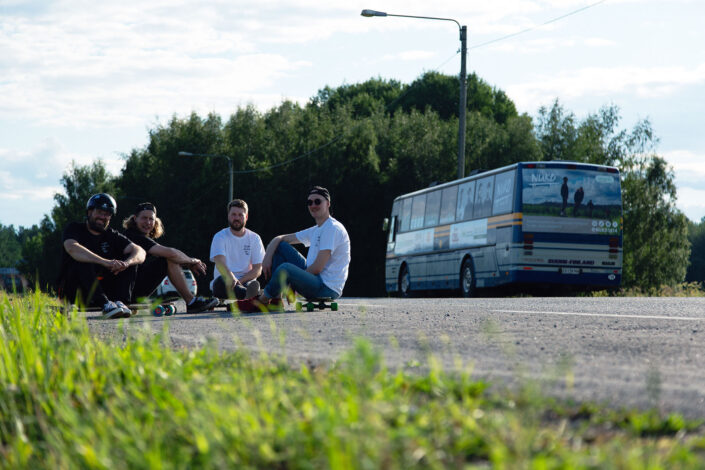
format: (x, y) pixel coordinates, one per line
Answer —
(267, 266)
(116, 266)
(198, 266)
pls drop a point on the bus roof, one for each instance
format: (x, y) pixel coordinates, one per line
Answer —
(545, 164)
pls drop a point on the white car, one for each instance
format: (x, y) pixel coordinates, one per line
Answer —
(166, 288)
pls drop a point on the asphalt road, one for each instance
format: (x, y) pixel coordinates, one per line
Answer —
(626, 352)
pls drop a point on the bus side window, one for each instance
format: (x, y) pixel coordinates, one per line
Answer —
(405, 215)
(450, 196)
(418, 209)
(466, 195)
(433, 209)
(503, 193)
(483, 199)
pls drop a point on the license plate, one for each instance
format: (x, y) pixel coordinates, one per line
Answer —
(570, 270)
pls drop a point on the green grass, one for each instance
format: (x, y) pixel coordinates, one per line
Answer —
(685, 289)
(68, 400)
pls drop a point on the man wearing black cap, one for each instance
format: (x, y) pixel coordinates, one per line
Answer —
(98, 264)
(321, 274)
(142, 228)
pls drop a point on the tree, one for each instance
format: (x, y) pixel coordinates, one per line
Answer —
(696, 267)
(10, 247)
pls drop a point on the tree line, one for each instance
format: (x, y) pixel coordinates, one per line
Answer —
(367, 143)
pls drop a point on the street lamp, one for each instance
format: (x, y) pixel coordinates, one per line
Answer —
(463, 84)
(230, 165)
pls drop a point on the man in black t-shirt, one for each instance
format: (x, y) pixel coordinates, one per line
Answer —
(98, 265)
(142, 228)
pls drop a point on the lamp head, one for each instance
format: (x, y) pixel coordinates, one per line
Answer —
(369, 13)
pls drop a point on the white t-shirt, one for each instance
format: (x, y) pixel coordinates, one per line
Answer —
(240, 252)
(329, 236)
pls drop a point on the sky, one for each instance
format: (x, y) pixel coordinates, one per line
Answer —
(84, 80)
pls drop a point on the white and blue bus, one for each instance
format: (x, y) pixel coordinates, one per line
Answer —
(534, 223)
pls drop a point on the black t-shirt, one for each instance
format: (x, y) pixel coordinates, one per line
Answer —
(109, 244)
(140, 239)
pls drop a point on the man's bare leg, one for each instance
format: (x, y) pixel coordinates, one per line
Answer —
(176, 276)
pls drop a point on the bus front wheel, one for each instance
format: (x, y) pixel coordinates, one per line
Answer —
(467, 278)
(404, 282)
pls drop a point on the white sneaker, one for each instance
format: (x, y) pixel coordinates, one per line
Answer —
(125, 309)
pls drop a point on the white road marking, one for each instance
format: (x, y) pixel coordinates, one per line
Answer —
(609, 315)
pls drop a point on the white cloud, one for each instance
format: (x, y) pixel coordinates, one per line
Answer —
(644, 82)
(689, 169)
(24, 173)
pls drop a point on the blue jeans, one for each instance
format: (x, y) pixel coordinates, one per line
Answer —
(289, 268)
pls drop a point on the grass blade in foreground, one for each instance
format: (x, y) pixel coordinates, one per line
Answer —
(68, 400)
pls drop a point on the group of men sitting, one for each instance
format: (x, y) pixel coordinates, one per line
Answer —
(111, 270)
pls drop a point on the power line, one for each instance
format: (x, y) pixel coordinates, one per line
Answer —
(554, 20)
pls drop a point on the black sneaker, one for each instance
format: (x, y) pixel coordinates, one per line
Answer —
(200, 304)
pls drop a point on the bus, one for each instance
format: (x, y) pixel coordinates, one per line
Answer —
(553, 223)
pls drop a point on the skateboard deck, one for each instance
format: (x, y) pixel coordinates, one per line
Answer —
(230, 305)
(320, 303)
(161, 309)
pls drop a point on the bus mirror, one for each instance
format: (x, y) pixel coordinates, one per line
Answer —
(385, 224)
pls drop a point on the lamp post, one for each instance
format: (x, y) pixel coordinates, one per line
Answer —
(463, 83)
(230, 165)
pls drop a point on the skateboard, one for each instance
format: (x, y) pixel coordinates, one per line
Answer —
(158, 310)
(320, 303)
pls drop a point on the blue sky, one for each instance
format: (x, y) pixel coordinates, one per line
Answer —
(81, 80)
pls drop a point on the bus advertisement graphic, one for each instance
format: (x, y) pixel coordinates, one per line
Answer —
(571, 201)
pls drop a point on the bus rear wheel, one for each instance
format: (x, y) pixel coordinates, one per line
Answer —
(404, 282)
(467, 278)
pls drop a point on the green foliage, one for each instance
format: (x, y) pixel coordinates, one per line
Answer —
(696, 237)
(656, 247)
(10, 247)
(70, 400)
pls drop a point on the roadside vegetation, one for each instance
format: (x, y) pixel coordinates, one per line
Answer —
(70, 400)
(685, 289)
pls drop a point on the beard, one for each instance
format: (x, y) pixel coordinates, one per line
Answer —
(237, 225)
(93, 224)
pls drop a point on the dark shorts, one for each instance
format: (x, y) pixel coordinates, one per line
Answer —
(149, 275)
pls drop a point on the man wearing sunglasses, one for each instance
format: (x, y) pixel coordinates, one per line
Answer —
(321, 274)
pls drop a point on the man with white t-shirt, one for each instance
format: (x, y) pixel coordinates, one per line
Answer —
(321, 274)
(237, 253)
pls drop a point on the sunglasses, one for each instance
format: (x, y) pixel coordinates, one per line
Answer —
(316, 201)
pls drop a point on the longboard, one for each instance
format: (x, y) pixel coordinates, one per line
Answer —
(167, 308)
(320, 303)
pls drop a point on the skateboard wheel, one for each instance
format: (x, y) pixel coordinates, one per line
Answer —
(168, 310)
(299, 307)
(334, 306)
(172, 309)
(309, 307)
(158, 311)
